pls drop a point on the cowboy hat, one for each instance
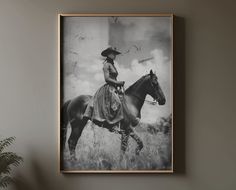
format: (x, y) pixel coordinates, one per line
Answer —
(108, 51)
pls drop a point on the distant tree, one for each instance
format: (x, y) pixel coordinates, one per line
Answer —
(7, 159)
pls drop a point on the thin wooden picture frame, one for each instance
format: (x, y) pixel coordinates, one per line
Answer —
(70, 69)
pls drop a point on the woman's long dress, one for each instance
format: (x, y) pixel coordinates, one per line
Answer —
(105, 105)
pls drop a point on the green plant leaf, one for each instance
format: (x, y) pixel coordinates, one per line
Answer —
(6, 142)
(7, 159)
(4, 181)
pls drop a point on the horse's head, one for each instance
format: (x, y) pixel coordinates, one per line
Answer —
(154, 89)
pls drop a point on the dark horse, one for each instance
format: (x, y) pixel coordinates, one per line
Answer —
(134, 97)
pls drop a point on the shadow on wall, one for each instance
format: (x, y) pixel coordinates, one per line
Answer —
(179, 96)
(39, 179)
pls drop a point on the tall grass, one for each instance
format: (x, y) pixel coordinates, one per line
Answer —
(98, 149)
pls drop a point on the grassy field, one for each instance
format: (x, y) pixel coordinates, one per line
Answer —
(98, 149)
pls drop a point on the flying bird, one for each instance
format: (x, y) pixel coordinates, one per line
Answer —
(144, 60)
(135, 47)
(73, 52)
(80, 37)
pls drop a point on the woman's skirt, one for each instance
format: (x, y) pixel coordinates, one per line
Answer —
(105, 106)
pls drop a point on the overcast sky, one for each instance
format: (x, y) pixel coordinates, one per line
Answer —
(138, 38)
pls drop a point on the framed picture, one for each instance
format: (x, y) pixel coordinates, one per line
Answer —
(115, 93)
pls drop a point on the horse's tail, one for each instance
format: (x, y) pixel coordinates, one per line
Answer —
(63, 123)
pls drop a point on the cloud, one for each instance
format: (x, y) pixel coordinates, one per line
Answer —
(99, 76)
(74, 87)
(146, 33)
(136, 70)
(144, 28)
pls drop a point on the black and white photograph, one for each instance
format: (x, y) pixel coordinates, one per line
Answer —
(116, 93)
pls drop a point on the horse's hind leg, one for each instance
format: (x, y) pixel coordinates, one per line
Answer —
(63, 124)
(77, 127)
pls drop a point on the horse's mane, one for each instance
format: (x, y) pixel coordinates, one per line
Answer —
(134, 86)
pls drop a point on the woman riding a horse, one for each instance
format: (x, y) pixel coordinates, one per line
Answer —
(106, 107)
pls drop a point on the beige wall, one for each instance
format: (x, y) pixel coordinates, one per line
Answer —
(205, 92)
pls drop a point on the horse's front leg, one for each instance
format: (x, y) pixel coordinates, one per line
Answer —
(138, 140)
(124, 141)
(124, 145)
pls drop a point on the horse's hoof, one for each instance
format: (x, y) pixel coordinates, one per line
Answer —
(73, 157)
(122, 156)
(132, 159)
(138, 149)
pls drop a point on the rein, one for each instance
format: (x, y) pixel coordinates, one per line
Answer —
(150, 102)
